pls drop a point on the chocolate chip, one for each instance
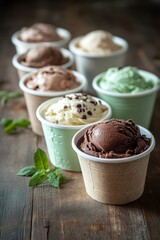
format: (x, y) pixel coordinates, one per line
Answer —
(84, 117)
(78, 105)
(56, 121)
(89, 113)
(65, 106)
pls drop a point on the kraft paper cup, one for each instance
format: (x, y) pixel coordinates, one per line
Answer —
(91, 64)
(136, 106)
(58, 139)
(35, 98)
(22, 69)
(114, 181)
(22, 47)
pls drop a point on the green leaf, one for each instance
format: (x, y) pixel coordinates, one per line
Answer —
(15, 95)
(2, 93)
(8, 95)
(56, 178)
(10, 125)
(4, 99)
(38, 178)
(27, 171)
(5, 121)
(41, 159)
(21, 122)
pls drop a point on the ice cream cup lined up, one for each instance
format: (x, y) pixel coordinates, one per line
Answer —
(58, 137)
(22, 46)
(137, 106)
(114, 180)
(91, 63)
(34, 98)
(22, 69)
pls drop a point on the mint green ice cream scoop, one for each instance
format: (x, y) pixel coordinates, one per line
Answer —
(125, 80)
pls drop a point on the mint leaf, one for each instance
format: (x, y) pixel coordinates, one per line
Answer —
(11, 125)
(27, 171)
(42, 171)
(8, 95)
(39, 177)
(21, 122)
(56, 178)
(5, 121)
(15, 95)
(41, 159)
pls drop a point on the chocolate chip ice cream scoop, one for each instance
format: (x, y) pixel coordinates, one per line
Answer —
(52, 78)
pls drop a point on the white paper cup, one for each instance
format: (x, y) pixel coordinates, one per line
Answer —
(58, 138)
(114, 181)
(137, 106)
(35, 98)
(91, 64)
(22, 69)
(22, 47)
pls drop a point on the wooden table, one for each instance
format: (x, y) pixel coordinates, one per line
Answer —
(69, 213)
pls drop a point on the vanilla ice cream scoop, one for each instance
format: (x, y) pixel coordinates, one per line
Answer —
(76, 109)
(98, 42)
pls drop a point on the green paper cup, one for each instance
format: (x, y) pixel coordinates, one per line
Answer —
(114, 180)
(138, 106)
(58, 139)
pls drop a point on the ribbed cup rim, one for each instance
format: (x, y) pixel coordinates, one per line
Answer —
(46, 104)
(97, 88)
(79, 52)
(80, 78)
(143, 131)
(22, 67)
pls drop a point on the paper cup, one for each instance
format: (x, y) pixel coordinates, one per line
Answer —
(22, 70)
(91, 64)
(114, 181)
(22, 47)
(137, 106)
(58, 138)
(35, 98)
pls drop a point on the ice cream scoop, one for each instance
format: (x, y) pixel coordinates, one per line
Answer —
(125, 80)
(98, 42)
(76, 109)
(39, 32)
(52, 78)
(41, 55)
(114, 138)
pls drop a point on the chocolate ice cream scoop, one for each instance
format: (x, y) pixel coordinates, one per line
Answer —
(39, 32)
(41, 56)
(113, 139)
(52, 78)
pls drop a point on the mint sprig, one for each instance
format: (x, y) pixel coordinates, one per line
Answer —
(42, 171)
(6, 96)
(12, 125)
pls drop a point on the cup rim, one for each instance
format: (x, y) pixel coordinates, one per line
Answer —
(50, 101)
(116, 39)
(97, 88)
(22, 67)
(80, 78)
(61, 31)
(79, 152)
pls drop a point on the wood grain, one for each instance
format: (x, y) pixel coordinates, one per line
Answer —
(45, 213)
